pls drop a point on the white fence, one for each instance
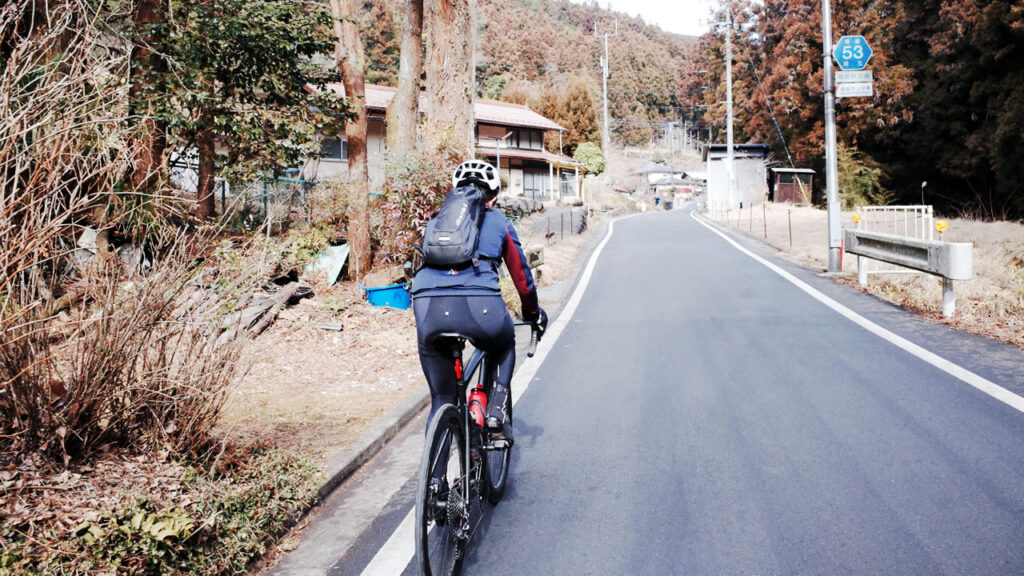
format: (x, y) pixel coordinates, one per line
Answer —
(912, 222)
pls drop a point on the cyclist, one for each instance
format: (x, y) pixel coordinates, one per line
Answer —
(468, 301)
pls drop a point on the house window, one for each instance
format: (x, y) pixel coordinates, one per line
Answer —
(534, 184)
(530, 139)
(334, 149)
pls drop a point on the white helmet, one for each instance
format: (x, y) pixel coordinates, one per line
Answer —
(479, 173)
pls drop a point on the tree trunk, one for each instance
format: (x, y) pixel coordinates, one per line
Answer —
(149, 139)
(206, 201)
(451, 75)
(351, 64)
(404, 111)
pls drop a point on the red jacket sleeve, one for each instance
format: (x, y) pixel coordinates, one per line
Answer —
(519, 270)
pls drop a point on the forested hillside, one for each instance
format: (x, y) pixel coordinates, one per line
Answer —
(948, 107)
(948, 104)
(544, 52)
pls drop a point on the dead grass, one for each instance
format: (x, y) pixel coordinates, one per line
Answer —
(991, 304)
(314, 391)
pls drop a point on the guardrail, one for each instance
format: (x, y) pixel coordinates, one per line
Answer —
(913, 221)
(949, 260)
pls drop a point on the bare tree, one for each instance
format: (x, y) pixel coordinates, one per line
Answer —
(206, 201)
(403, 113)
(450, 74)
(149, 140)
(351, 64)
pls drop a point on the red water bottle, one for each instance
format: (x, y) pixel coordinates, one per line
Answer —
(477, 405)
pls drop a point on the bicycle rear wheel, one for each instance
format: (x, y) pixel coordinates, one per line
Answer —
(441, 509)
(498, 463)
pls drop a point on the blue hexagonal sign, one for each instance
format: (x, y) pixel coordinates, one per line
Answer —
(852, 53)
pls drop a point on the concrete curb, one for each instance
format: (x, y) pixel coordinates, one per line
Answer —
(342, 466)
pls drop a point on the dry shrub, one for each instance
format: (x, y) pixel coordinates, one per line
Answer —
(137, 363)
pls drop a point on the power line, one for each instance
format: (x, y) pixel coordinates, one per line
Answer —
(767, 101)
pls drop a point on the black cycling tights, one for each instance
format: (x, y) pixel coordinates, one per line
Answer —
(485, 320)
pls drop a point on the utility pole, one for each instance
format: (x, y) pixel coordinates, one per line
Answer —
(731, 158)
(831, 162)
(671, 148)
(605, 136)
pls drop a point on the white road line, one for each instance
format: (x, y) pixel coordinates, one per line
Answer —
(399, 550)
(955, 370)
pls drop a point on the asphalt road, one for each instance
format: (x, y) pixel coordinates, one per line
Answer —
(702, 414)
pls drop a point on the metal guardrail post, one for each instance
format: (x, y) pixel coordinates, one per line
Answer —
(949, 260)
(948, 298)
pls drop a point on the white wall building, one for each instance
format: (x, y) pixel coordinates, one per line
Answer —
(751, 181)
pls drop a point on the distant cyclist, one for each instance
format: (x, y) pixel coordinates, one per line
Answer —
(466, 299)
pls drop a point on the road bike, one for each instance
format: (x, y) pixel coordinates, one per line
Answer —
(461, 464)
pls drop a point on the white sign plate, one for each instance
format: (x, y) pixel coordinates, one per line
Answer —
(854, 90)
(851, 76)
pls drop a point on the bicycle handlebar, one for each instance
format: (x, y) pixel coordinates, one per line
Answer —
(534, 338)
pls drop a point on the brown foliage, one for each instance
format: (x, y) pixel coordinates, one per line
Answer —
(413, 191)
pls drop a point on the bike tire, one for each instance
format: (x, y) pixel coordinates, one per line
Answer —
(439, 548)
(497, 464)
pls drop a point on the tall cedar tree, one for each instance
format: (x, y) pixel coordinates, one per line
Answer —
(578, 115)
(351, 63)
(404, 111)
(451, 45)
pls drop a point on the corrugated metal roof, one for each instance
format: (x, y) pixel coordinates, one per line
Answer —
(486, 111)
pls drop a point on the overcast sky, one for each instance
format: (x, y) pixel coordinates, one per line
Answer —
(679, 16)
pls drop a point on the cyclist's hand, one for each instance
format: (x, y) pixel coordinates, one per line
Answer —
(540, 324)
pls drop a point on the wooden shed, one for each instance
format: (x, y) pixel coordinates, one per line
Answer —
(792, 185)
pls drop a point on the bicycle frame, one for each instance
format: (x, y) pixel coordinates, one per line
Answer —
(464, 376)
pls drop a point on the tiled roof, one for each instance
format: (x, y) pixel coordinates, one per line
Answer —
(491, 112)
(486, 111)
(520, 154)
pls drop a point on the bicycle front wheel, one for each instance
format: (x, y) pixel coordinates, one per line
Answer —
(441, 507)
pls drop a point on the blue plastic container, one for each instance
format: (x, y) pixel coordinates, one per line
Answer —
(395, 296)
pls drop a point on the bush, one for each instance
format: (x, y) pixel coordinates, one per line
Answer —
(218, 524)
(131, 361)
(413, 190)
(135, 361)
(860, 179)
(591, 157)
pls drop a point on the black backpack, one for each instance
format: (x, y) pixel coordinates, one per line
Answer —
(451, 237)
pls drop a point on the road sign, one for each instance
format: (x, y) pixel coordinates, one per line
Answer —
(854, 90)
(850, 76)
(852, 53)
